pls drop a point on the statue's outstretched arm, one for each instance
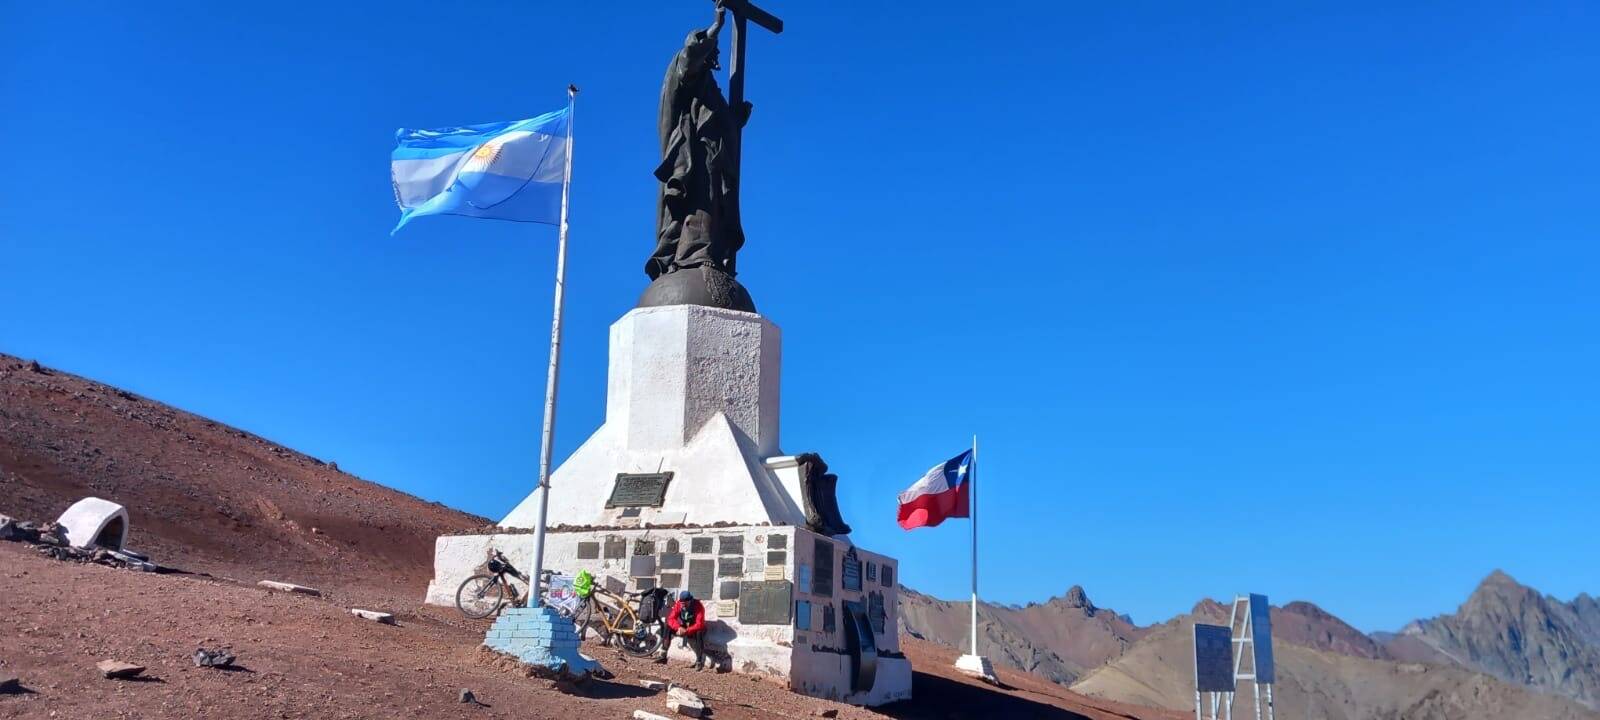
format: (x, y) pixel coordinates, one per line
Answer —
(716, 27)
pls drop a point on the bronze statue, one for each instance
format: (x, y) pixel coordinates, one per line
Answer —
(698, 229)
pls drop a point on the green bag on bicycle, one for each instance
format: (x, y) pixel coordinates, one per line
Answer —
(584, 584)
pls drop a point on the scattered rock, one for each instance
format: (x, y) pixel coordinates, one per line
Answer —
(643, 715)
(827, 713)
(10, 684)
(655, 685)
(686, 709)
(373, 615)
(678, 692)
(119, 670)
(213, 658)
(290, 587)
(684, 701)
(466, 696)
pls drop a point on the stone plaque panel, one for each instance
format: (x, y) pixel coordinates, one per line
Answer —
(672, 561)
(643, 583)
(589, 551)
(730, 566)
(774, 572)
(766, 602)
(777, 557)
(644, 547)
(777, 542)
(822, 571)
(639, 490)
(728, 590)
(616, 548)
(727, 608)
(615, 585)
(700, 545)
(702, 578)
(730, 545)
(641, 565)
(672, 580)
(672, 546)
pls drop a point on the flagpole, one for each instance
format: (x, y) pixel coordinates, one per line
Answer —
(547, 439)
(972, 497)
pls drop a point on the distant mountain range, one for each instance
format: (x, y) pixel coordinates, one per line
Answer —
(1508, 652)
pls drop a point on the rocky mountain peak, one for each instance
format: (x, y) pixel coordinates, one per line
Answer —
(1076, 597)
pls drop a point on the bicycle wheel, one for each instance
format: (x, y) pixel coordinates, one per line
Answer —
(479, 596)
(643, 642)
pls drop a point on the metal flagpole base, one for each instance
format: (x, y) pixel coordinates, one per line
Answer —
(979, 667)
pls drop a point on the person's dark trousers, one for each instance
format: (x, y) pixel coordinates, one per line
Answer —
(697, 643)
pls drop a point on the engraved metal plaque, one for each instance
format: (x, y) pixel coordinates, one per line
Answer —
(672, 546)
(730, 545)
(777, 557)
(644, 583)
(730, 566)
(774, 572)
(727, 608)
(644, 547)
(672, 561)
(777, 542)
(616, 548)
(639, 490)
(672, 580)
(766, 602)
(876, 613)
(614, 585)
(822, 571)
(700, 545)
(850, 571)
(702, 578)
(1213, 658)
(589, 551)
(641, 565)
(728, 590)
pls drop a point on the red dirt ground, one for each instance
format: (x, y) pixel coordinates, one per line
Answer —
(209, 498)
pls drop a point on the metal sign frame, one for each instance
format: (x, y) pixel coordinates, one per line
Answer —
(1250, 621)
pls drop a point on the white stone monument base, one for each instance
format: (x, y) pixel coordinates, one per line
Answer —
(807, 648)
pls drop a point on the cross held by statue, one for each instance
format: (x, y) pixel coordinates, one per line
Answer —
(744, 10)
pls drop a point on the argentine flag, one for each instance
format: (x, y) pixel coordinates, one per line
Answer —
(507, 170)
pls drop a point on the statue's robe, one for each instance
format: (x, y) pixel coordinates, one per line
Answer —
(697, 210)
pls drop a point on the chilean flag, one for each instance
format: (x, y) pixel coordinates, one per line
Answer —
(944, 492)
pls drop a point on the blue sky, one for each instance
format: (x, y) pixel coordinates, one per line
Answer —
(1289, 298)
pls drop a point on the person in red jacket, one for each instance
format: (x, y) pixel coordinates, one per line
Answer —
(688, 621)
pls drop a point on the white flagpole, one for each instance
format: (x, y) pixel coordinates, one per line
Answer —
(972, 499)
(547, 440)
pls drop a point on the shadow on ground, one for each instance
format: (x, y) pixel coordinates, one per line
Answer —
(943, 698)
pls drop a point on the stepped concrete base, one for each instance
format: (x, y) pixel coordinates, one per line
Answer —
(539, 636)
(977, 666)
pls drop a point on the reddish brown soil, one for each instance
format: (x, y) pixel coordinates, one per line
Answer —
(205, 496)
(210, 498)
